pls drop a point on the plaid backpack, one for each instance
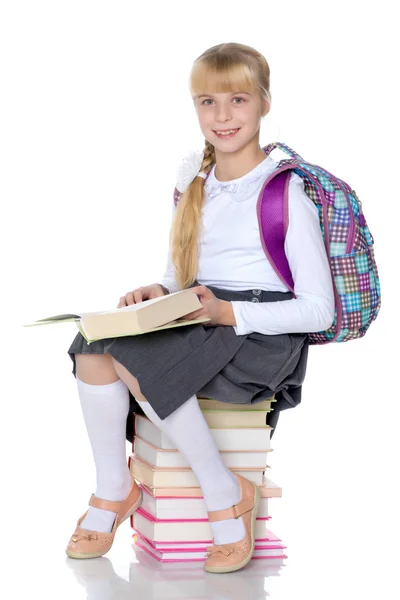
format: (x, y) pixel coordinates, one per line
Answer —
(348, 242)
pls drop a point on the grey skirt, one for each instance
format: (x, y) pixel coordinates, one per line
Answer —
(211, 361)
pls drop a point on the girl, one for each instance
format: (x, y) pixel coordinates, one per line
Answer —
(255, 344)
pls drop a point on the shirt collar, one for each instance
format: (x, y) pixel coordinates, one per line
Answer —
(242, 185)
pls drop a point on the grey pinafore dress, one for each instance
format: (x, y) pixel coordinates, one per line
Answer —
(211, 361)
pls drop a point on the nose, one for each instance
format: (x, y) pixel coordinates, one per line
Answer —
(223, 113)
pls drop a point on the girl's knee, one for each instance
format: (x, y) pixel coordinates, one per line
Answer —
(129, 380)
(96, 369)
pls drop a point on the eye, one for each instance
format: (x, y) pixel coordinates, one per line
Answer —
(235, 98)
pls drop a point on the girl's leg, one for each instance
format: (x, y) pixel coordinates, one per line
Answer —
(187, 428)
(105, 405)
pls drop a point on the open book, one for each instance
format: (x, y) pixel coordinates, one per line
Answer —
(143, 317)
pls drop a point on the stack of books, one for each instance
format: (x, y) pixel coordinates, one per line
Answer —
(172, 523)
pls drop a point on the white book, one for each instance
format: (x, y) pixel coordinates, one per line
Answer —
(181, 531)
(185, 508)
(245, 438)
(160, 457)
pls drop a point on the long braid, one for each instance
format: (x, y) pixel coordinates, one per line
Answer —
(186, 226)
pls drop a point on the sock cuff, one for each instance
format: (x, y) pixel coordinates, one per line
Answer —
(100, 389)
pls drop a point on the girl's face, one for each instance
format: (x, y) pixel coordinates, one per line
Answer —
(225, 111)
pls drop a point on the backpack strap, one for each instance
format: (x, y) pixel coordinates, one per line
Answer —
(273, 218)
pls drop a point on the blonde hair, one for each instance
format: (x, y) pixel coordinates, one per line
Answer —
(224, 68)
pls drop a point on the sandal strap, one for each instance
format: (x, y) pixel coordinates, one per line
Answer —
(233, 512)
(104, 504)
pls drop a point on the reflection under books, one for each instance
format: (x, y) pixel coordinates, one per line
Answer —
(175, 581)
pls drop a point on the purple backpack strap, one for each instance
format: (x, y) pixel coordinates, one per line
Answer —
(273, 219)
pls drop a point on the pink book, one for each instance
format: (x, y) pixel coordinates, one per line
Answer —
(146, 569)
(270, 540)
(271, 551)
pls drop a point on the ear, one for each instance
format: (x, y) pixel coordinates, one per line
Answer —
(266, 108)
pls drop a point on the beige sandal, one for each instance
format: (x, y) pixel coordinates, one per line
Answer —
(226, 558)
(91, 544)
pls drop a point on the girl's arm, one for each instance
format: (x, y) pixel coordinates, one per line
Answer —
(313, 309)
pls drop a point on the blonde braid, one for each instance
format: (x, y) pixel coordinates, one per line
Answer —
(186, 225)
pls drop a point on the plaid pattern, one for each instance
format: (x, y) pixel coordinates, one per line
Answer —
(351, 251)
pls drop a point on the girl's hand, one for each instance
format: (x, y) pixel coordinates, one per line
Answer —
(143, 293)
(219, 311)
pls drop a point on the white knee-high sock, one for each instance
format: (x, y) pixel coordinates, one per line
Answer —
(105, 409)
(187, 428)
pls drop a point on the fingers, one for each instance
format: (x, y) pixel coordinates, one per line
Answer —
(134, 297)
(131, 298)
(122, 302)
(141, 294)
(137, 295)
(201, 290)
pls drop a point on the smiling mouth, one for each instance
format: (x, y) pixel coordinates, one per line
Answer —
(226, 133)
(225, 130)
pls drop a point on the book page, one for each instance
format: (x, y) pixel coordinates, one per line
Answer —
(54, 320)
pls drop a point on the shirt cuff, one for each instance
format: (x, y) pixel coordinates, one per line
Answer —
(170, 285)
(240, 328)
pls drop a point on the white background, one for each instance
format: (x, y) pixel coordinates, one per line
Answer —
(96, 116)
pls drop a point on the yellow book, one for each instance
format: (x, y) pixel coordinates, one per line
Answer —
(181, 476)
(144, 317)
(268, 489)
(229, 419)
(210, 404)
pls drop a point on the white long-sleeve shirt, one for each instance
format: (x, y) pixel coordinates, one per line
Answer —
(231, 256)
